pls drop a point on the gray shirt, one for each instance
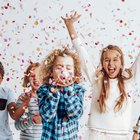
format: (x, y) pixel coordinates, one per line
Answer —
(6, 97)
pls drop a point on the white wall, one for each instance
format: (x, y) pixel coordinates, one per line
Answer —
(29, 29)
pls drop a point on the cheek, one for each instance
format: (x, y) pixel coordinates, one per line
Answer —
(56, 72)
(71, 72)
(105, 64)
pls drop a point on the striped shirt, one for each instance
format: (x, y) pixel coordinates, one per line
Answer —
(29, 130)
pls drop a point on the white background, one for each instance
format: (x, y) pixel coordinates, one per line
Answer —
(29, 29)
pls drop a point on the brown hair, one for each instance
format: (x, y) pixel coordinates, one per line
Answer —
(27, 73)
(106, 85)
(47, 65)
(2, 70)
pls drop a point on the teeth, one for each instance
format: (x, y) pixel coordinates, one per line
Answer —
(111, 68)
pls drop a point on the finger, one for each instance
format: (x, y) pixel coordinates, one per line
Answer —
(75, 13)
(63, 18)
(74, 78)
(78, 16)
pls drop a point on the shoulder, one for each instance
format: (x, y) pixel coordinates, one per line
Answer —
(5, 89)
(43, 88)
(79, 87)
(6, 92)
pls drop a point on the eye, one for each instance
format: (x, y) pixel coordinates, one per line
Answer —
(58, 67)
(115, 59)
(69, 67)
(106, 60)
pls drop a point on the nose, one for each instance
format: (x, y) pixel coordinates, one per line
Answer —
(64, 72)
(111, 62)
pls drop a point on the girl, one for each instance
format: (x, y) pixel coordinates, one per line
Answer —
(8, 105)
(110, 113)
(60, 97)
(30, 122)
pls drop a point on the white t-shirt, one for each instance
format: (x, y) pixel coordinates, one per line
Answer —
(110, 121)
(6, 97)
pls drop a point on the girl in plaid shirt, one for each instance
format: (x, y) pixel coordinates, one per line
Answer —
(60, 98)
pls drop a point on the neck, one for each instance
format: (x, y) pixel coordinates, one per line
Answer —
(34, 92)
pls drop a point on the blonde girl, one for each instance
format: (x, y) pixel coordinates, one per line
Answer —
(110, 113)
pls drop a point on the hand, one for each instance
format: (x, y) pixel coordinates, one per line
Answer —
(69, 81)
(25, 99)
(71, 18)
(99, 73)
(37, 119)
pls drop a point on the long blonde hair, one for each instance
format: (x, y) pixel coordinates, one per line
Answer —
(104, 94)
(47, 64)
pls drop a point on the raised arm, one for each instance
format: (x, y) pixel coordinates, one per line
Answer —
(136, 70)
(85, 60)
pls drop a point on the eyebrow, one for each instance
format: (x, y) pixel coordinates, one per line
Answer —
(58, 64)
(62, 65)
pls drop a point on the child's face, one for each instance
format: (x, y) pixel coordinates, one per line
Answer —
(34, 81)
(112, 63)
(1, 78)
(63, 68)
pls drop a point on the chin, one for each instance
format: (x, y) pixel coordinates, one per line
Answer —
(112, 76)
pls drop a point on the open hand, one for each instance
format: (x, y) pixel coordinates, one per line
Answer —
(25, 98)
(37, 119)
(71, 18)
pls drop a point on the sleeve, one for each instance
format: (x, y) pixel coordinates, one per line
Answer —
(48, 103)
(136, 70)
(86, 64)
(74, 102)
(24, 123)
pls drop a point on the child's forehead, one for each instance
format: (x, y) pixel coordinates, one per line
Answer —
(111, 53)
(33, 69)
(64, 60)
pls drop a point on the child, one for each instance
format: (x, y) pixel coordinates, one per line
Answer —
(60, 97)
(30, 122)
(8, 105)
(110, 113)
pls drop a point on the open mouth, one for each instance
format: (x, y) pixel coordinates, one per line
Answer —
(36, 83)
(111, 70)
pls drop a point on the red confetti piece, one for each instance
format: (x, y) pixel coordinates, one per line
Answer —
(6, 7)
(121, 21)
(8, 79)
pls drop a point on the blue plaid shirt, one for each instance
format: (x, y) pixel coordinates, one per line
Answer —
(60, 108)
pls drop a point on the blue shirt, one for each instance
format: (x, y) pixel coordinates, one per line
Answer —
(60, 108)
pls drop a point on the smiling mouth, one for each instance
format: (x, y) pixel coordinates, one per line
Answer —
(111, 70)
(36, 83)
